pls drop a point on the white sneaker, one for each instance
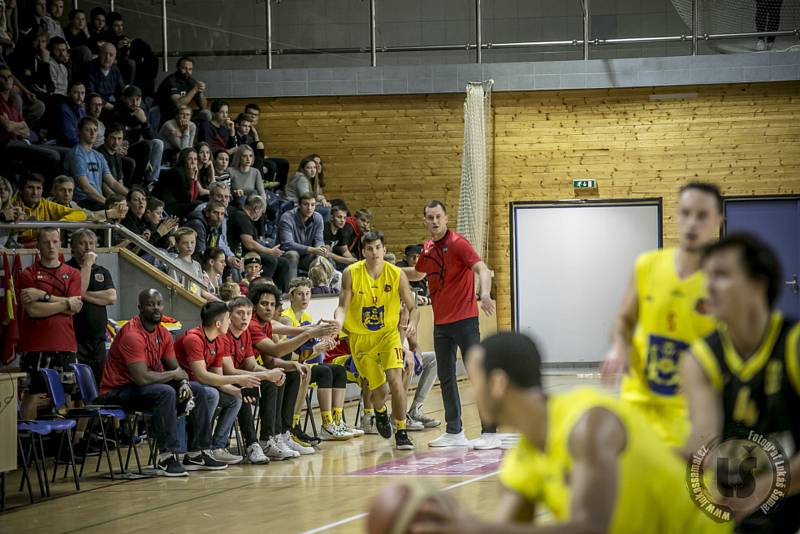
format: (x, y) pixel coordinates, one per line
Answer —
(368, 424)
(761, 45)
(292, 445)
(255, 454)
(486, 441)
(275, 452)
(355, 432)
(284, 446)
(450, 440)
(333, 433)
(225, 456)
(413, 424)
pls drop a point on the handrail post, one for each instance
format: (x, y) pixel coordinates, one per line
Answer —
(373, 52)
(478, 32)
(586, 29)
(268, 9)
(164, 33)
(695, 24)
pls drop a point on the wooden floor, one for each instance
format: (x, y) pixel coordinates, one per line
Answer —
(308, 494)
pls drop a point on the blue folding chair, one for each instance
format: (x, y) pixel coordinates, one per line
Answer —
(55, 389)
(35, 430)
(87, 387)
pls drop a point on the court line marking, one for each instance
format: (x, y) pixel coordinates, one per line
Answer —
(356, 517)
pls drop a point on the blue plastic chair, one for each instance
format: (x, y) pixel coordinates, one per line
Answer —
(55, 388)
(35, 430)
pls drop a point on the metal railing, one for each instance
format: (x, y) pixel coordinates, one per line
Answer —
(585, 42)
(108, 229)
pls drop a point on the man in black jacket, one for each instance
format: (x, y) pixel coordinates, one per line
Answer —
(143, 147)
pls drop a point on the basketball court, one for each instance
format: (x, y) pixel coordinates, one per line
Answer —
(326, 492)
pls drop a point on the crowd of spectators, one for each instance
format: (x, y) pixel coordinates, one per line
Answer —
(83, 121)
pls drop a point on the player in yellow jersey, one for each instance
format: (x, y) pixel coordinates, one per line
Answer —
(369, 311)
(662, 313)
(586, 456)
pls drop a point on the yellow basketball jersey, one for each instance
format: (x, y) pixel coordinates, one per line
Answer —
(652, 495)
(671, 317)
(375, 302)
(305, 350)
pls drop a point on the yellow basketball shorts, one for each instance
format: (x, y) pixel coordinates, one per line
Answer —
(670, 422)
(374, 354)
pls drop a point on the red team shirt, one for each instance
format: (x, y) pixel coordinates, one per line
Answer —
(55, 333)
(240, 348)
(451, 282)
(258, 331)
(194, 346)
(135, 344)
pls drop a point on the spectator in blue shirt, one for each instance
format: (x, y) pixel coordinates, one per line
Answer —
(300, 233)
(70, 112)
(90, 170)
(104, 77)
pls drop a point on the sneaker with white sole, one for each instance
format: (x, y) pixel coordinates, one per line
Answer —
(402, 441)
(353, 431)
(450, 440)
(274, 451)
(255, 454)
(413, 424)
(368, 424)
(170, 467)
(291, 444)
(203, 462)
(486, 441)
(333, 433)
(427, 422)
(225, 456)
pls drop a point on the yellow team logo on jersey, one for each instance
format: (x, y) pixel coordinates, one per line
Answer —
(372, 317)
(773, 377)
(662, 364)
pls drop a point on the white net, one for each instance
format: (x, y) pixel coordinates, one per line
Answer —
(476, 165)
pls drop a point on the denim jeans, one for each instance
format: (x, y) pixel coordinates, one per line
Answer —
(228, 409)
(161, 401)
(446, 339)
(426, 379)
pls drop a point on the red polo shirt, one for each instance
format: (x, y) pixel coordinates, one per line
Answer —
(240, 348)
(451, 282)
(134, 344)
(194, 346)
(55, 333)
(259, 330)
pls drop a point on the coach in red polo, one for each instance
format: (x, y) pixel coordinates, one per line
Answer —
(450, 264)
(51, 295)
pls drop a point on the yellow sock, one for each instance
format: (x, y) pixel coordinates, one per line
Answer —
(327, 418)
(296, 420)
(401, 425)
(337, 415)
(381, 410)
(369, 411)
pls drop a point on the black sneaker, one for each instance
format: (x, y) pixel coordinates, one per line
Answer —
(203, 462)
(402, 441)
(383, 424)
(171, 467)
(299, 434)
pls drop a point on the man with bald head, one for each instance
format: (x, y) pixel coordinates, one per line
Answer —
(142, 373)
(104, 77)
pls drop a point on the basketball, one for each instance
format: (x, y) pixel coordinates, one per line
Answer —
(395, 507)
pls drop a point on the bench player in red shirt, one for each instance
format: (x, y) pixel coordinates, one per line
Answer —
(141, 373)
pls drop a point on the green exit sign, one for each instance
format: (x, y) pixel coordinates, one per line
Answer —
(584, 184)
